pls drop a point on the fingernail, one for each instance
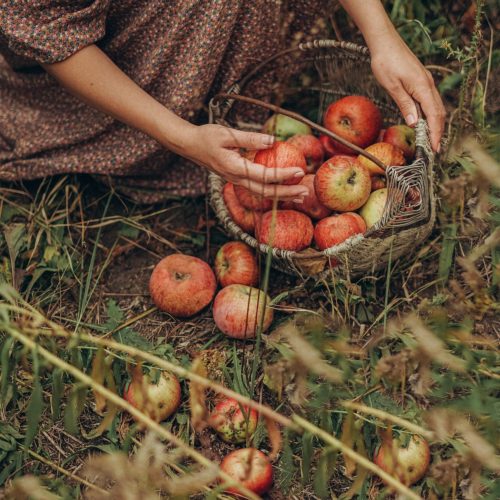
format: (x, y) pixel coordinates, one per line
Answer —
(410, 119)
(269, 140)
(299, 200)
(300, 173)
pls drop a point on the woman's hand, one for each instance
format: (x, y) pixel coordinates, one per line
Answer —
(400, 72)
(217, 148)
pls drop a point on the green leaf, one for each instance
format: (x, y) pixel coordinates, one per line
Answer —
(447, 251)
(307, 455)
(57, 392)
(133, 339)
(74, 408)
(35, 407)
(324, 472)
(5, 367)
(287, 468)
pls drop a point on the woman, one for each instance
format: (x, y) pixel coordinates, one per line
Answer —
(114, 87)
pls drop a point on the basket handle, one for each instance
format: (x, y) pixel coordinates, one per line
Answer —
(300, 118)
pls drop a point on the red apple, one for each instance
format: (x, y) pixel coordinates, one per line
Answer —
(342, 184)
(284, 127)
(337, 228)
(285, 229)
(354, 118)
(282, 155)
(239, 310)
(311, 205)
(373, 209)
(235, 263)
(252, 201)
(158, 400)
(251, 468)
(182, 285)
(328, 146)
(387, 153)
(380, 137)
(242, 216)
(233, 422)
(311, 148)
(409, 464)
(403, 137)
(378, 182)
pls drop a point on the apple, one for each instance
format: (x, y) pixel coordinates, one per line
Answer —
(380, 137)
(158, 400)
(251, 468)
(387, 153)
(239, 310)
(282, 155)
(403, 137)
(378, 182)
(354, 118)
(311, 148)
(342, 184)
(233, 422)
(409, 464)
(285, 229)
(283, 127)
(328, 146)
(244, 217)
(235, 263)
(252, 201)
(337, 228)
(373, 209)
(310, 205)
(182, 285)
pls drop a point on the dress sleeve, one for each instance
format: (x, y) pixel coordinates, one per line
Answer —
(50, 31)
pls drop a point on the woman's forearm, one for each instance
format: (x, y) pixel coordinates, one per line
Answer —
(92, 76)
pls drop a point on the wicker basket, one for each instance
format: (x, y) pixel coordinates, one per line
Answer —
(342, 69)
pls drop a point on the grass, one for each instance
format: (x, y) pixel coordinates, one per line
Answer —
(413, 349)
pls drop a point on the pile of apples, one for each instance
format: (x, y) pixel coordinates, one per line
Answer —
(346, 193)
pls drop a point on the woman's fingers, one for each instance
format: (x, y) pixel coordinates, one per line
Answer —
(295, 192)
(434, 112)
(233, 138)
(405, 103)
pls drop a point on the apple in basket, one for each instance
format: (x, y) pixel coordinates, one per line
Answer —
(387, 153)
(336, 229)
(403, 137)
(283, 127)
(252, 201)
(354, 118)
(311, 148)
(157, 399)
(342, 183)
(251, 468)
(235, 263)
(285, 229)
(408, 463)
(378, 182)
(233, 422)
(243, 217)
(373, 209)
(311, 205)
(239, 310)
(182, 285)
(328, 146)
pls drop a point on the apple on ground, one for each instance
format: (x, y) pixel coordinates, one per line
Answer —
(158, 400)
(243, 217)
(252, 201)
(354, 118)
(409, 464)
(336, 229)
(251, 468)
(311, 148)
(342, 184)
(235, 263)
(233, 422)
(282, 155)
(387, 153)
(378, 182)
(239, 310)
(285, 229)
(403, 137)
(373, 209)
(283, 127)
(311, 205)
(182, 285)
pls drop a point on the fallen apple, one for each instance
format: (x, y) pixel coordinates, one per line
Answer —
(311, 148)
(387, 153)
(182, 285)
(342, 184)
(158, 400)
(235, 263)
(243, 217)
(354, 118)
(283, 127)
(336, 229)
(403, 137)
(373, 209)
(239, 310)
(409, 464)
(251, 468)
(285, 229)
(233, 422)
